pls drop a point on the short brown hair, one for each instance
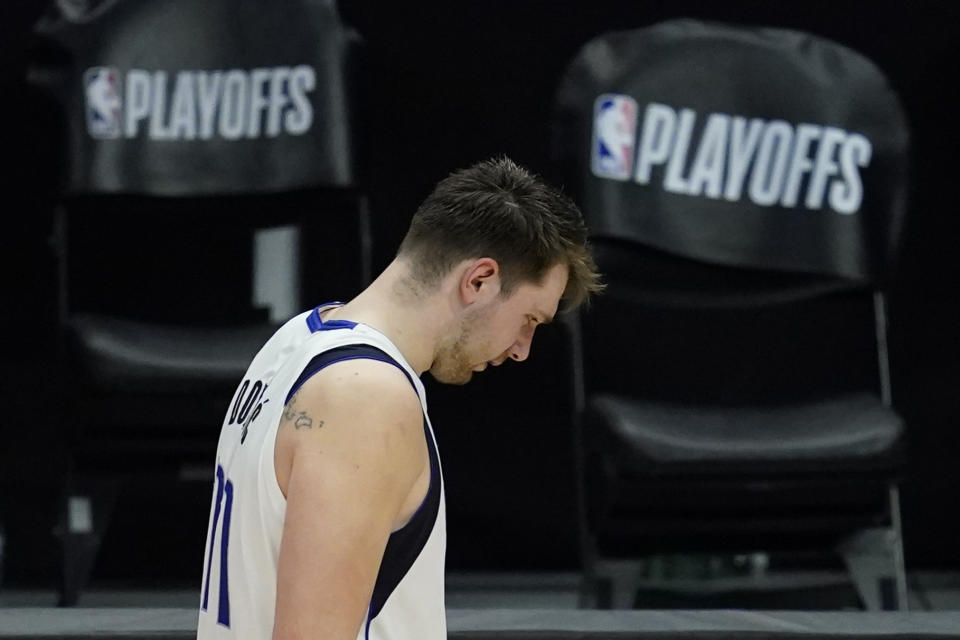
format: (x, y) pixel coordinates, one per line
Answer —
(500, 210)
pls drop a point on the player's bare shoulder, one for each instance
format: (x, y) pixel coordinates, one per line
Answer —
(355, 412)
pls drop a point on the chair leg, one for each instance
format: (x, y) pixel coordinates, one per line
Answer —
(84, 518)
(78, 548)
(588, 596)
(874, 558)
(589, 591)
(608, 583)
(899, 561)
(3, 547)
(619, 581)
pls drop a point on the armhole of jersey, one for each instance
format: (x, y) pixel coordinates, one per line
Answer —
(339, 354)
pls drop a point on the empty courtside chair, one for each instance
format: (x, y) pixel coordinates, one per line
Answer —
(187, 127)
(744, 190)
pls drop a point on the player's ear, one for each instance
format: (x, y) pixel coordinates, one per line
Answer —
(480, 281)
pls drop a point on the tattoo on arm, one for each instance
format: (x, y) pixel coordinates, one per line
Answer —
(305, 422)
(300, 419)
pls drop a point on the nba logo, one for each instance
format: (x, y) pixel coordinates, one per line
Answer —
(103, 102)
(614, 135)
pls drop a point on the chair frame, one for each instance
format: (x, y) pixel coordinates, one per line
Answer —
(87, 504)
(874, 558)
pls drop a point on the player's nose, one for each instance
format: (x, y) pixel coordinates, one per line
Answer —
(519, 350)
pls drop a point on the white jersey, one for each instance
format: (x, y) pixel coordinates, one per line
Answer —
(238, 592)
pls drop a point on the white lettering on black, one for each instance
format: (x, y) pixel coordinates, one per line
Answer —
(230, 104)
(769, 162)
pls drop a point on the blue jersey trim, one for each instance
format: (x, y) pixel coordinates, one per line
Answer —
(317, 324)
(405, 544)
(341, 354)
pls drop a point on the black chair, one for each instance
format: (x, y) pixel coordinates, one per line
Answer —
(744, 190)
(189, 129)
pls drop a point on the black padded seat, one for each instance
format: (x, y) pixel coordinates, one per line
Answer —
(853, 429)
(133, 356)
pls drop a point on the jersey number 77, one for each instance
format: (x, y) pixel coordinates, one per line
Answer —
(224, 493)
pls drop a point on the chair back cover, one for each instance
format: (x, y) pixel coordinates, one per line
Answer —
(761, 148)
(180, 97)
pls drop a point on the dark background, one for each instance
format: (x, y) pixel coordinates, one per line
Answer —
(446, 85)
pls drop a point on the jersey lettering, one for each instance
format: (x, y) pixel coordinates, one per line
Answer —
(247, 405)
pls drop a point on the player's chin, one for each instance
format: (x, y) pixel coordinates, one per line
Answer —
(460, 377)
(458, 381)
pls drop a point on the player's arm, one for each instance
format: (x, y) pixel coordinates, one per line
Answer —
(349, 450)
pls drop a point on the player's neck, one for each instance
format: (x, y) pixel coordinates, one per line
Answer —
(413, 322)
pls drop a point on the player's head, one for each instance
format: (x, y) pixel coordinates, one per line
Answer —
(503, 227)
(500, 210)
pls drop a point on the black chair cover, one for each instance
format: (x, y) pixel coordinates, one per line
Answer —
(753, 147)
(176, 97)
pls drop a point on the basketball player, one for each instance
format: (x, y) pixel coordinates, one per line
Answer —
(327, 518)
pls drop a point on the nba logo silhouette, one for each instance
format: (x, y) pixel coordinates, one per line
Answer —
(614, 136)
(103, 102)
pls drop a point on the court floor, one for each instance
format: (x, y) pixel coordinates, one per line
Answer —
(929, 591)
